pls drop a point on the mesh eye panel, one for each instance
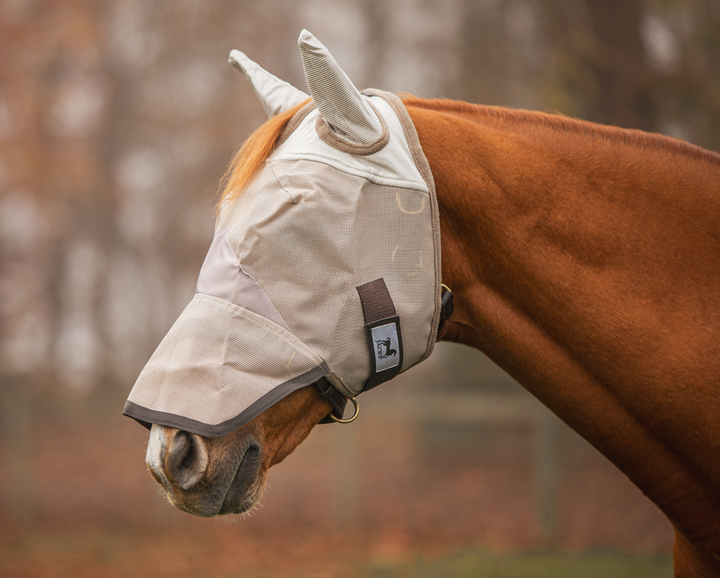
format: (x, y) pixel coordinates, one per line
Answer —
(342, 231)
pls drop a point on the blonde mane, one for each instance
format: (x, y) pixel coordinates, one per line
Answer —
(252, 154)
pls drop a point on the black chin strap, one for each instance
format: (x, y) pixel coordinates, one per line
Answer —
(336, 399)
(446, 311)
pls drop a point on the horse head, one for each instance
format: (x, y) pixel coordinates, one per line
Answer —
(326, 242)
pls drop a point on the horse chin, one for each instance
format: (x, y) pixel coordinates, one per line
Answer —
(234, 491)
(240, 497)
(247, 486)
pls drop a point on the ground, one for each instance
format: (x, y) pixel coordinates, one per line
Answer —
(385, 498)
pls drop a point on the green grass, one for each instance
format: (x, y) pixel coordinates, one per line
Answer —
(483, 565)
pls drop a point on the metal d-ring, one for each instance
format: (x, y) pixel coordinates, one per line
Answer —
(353, 418)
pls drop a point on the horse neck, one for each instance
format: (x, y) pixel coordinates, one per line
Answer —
(580, 258)
(570, 226)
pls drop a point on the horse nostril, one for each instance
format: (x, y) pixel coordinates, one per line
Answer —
(186, 459)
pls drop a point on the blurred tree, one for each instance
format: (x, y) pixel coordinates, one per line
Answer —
(650, 64)
(688, 91)
(617, 60)
(376, 15)
(597, 68)
(647, 64)
(488, 57)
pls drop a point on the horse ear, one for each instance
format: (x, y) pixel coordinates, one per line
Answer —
(275, 95)
(340, 104)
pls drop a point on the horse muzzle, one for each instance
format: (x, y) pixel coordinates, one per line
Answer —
(194, 482)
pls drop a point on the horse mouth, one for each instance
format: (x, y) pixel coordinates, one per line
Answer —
(245, 488)
(234, 489)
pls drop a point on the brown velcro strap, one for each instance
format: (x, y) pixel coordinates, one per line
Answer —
(382, 327)
(376, 301)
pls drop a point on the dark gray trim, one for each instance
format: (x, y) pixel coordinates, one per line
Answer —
(145, 416)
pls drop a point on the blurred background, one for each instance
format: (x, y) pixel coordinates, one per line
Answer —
(117, 119)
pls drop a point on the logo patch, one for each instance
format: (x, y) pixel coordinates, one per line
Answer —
(387, 346)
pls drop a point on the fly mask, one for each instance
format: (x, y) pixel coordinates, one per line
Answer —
(326, 266)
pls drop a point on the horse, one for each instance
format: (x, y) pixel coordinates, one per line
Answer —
(584, 261)
(388, 351)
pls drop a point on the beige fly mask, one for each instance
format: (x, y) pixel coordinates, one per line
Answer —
(326, 267)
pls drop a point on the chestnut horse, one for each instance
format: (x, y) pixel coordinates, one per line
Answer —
(585, 261)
